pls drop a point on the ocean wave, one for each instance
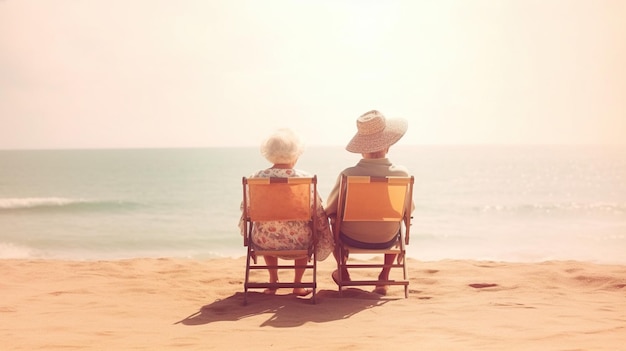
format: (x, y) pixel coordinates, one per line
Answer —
(61, 204)
(9, 250)
(607, 208)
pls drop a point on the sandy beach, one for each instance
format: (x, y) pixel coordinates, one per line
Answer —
(171, 304)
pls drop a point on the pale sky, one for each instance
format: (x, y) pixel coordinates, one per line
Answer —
(179, 73)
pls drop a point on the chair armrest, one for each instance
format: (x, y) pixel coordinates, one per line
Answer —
(407, 228)
(247, 231)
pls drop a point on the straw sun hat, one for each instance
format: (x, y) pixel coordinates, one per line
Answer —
(376, 133)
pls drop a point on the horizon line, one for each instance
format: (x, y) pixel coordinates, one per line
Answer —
(314, 146)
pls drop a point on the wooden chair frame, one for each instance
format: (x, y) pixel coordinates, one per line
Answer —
(279, 199)
(374, 199)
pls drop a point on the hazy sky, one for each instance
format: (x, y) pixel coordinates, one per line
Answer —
(177, 73)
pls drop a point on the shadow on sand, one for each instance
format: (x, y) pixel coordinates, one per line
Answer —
(286, 311)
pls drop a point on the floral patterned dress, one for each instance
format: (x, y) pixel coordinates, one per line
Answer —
(289, 235)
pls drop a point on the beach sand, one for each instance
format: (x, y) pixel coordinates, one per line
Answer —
(172, 304)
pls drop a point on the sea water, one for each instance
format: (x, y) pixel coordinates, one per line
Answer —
(504, 203)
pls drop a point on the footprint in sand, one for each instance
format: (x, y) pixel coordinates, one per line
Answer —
(482, 285)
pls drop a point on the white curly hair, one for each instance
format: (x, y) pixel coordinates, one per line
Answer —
(282, 146)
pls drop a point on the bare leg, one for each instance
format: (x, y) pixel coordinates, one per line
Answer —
(271, 261)
(344, 272)
(299, 273)
(384, 274)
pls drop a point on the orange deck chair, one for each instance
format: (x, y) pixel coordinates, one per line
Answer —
(374, 199)
(279, 199)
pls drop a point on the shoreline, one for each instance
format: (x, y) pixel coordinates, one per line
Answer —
(171, 304)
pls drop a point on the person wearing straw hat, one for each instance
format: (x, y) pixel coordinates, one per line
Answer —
(375, 135)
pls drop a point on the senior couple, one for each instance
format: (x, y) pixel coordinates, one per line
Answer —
(375, 134)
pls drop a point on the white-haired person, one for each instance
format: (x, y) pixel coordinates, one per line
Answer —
(283, 149)
(375, 134)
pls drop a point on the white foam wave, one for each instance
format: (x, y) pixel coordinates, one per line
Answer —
(8, 250)
(614, 208)
(32, 202)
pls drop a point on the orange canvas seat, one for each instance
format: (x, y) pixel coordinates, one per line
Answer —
(374, 199)
(279, 199)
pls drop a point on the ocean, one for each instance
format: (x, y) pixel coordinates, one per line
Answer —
(500, 203)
